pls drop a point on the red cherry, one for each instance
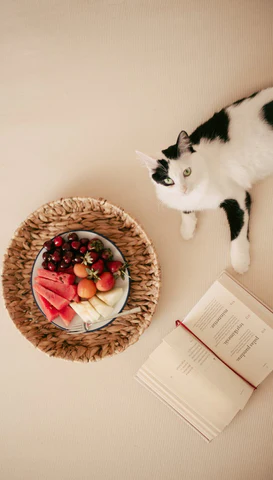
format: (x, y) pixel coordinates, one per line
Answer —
(63, 265)
(48, 245)
(67, 258)
(66, 246)
(72, 237)
(84, 241)
(58, 241)
(75, 245)
(56, 256)
(83, 249)
(77, 259)
(44, 265)
(51, 266)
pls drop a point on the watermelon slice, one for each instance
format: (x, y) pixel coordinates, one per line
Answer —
(48, 309)
(65, 278)
(66, 291)
(67, 314)
(76, 298)
(53, 298)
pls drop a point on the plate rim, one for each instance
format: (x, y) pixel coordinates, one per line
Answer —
(129, 280)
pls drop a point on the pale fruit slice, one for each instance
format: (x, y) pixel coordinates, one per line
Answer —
(112, 297)
(80, 310)
(85, 311)
(101, 307)
(94, 316)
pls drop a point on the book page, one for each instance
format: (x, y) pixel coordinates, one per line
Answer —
(193, 355)
(234, 333)
(193, 390)
(148, 376)
(199, 379)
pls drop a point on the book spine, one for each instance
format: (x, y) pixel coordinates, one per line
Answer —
(178, 323)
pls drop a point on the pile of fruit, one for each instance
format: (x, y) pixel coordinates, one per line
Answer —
(78, 276)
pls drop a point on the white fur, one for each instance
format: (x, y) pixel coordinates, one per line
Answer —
(188, 225)
(222, 171)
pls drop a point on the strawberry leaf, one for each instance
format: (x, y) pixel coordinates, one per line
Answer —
(122, 272)
(87, 259)
(92, 274)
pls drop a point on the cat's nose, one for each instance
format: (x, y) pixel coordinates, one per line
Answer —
(184, 189)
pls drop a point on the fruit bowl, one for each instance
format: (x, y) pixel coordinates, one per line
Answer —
(41, 262)
(88, 214)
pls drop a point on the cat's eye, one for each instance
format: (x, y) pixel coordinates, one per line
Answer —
(187, 172)
(168, 181)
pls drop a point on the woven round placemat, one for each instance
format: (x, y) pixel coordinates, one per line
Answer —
(86, 214)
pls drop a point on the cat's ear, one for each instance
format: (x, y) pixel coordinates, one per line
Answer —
(149, 162)
(184, 143)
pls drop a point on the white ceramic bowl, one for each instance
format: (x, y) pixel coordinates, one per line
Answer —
(125, 284)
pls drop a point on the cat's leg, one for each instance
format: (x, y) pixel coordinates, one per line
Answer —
(238, 212)
(188, 225)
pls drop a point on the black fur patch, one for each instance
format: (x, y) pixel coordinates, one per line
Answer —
(161, 172)
(238, 102)
(164, 164)
(235, 216)
(267, 112)
(248, 202)
(172, 152)
(215, 127)
(254, 94)
(245, 98)
(248, 207)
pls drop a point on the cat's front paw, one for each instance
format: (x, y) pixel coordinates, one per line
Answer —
(187, 228)
(240, 258)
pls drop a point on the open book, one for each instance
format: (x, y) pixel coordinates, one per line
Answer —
(207, 368)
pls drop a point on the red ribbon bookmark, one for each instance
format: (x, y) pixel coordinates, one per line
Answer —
(178, 323)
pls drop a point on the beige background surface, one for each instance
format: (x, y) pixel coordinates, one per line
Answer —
(83, 84)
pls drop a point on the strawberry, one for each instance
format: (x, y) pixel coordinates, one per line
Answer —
(117, 268)
(90, 257)
(107, 254)
(96, 270)
(98, 266)
(106, 282)
(95, 244)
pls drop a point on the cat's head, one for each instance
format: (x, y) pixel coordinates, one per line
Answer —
(180, 169)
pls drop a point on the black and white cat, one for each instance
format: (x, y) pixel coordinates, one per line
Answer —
(216, 166)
